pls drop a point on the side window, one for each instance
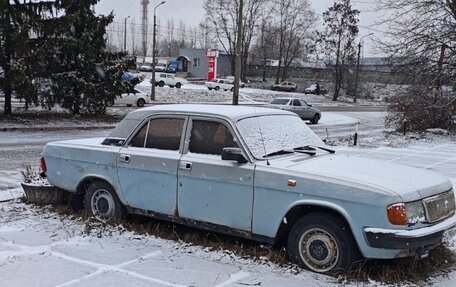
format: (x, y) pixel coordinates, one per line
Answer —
(140, 138)
(210, 138)
(296, 103)
(165, 134)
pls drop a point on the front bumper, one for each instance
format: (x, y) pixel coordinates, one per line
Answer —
(410, 239)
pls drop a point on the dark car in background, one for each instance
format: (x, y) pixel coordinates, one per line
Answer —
(313, 89)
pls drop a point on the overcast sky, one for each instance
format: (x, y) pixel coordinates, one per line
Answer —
(192, 12)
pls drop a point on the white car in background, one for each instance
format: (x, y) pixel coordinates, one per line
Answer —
(136, 97)
(165, 79)
(220, 84)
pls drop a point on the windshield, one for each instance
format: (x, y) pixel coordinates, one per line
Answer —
(280, 101)
(268, 134)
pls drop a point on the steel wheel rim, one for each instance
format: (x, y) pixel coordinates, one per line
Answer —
(318, 250)
(103, 205)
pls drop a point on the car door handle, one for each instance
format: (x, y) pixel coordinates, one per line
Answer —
(185, 165)
(125, 158)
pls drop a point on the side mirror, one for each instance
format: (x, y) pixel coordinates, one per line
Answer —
(233, 154)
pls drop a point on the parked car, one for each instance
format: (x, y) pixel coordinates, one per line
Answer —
(160, 67)
(241, 83)
(285, 86)
(146, 68)
(260, 174)
(135, 97)
(173, 67)
(313, 90)
(299, 107)
(220, 84)
(162, 79)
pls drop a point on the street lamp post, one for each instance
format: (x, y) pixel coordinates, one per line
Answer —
(152, 95)
(355, 96)
(125, 34)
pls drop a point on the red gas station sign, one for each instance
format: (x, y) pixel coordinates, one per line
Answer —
(212, 64)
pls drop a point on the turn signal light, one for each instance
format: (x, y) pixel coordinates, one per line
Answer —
(397, 214)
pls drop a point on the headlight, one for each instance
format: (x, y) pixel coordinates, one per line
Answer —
(406, 213)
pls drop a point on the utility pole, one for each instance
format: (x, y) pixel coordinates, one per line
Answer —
(356, 73)
(125, 34)
(152, 95)
(237, 62)
(355, 97)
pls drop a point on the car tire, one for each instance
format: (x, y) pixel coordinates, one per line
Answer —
(140, 103)
(322, 243)
(232, 89)
(292, 90)
(217, 88)
(102, 202)
(161, 84)
(178, 85)
(315, 119)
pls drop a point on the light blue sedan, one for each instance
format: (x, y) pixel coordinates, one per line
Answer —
(260, 174)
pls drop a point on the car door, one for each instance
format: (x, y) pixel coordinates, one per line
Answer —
(147, 164)
(308, 113)
(297, 108)
(211, 189)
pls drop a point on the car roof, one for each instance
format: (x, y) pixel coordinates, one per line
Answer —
(226, 111)
(229, 112)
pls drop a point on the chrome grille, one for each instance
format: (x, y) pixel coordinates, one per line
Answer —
(439, 207)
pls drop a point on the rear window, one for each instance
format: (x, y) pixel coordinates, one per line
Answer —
(280, 101)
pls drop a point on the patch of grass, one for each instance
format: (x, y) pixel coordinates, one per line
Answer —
(24, 116)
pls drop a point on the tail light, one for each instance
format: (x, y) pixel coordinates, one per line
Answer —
(43, 166)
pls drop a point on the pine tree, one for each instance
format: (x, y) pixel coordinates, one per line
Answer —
(85, 77)
(17, 18)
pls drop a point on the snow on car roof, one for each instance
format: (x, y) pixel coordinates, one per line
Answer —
(233, 113)
(226, 111)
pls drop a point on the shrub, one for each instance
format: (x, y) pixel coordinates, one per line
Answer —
(423, 107)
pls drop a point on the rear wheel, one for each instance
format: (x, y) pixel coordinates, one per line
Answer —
(161, 84)
(178, 85)
(217, 88)
(140, 103)
(232, 89)
(315, 119)
(102, 202)
(322, 243)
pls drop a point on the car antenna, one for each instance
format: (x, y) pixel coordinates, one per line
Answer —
(262, 138)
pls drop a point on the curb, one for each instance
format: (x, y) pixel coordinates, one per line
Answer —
(69, 128)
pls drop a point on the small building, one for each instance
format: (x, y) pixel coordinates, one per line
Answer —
(196, 64)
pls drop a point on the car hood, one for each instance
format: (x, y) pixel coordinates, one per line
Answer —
(409, 183)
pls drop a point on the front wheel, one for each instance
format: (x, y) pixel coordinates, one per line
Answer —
(322, 243)
(102, 202)
(178, 85)
(217, 88)
(161, 84)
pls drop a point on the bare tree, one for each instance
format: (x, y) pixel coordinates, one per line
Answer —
(421, 40)
(295, 19)
(222, 16)
(341, 29)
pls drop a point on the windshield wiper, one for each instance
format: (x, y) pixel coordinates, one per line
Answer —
(279, 152)
(313, 148)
